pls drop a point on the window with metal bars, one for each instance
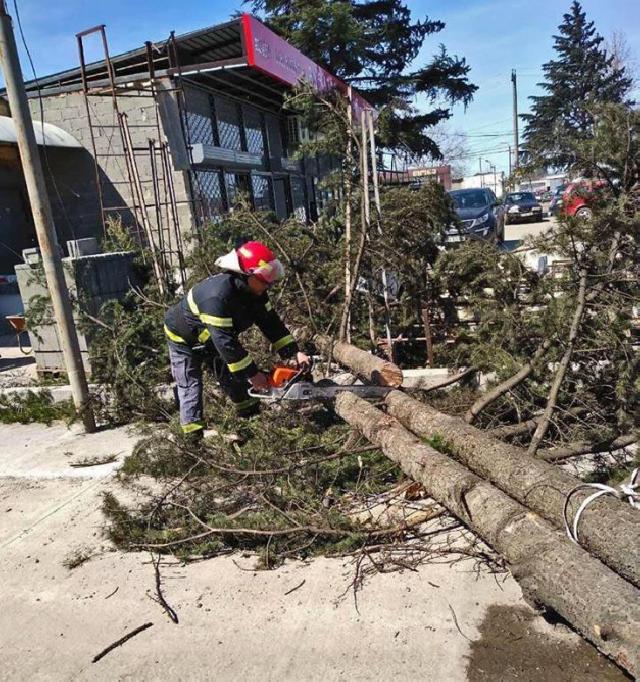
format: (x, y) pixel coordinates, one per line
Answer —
(253, 130)
(199, 128)
(199, 117)
(298, 197)
(208, 186)
(262, 193)
(238, 185)
(229, 124)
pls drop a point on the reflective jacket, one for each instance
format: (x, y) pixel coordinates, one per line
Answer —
(219, 308)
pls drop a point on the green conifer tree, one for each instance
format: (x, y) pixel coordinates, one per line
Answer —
(374, 47)
(581, 75)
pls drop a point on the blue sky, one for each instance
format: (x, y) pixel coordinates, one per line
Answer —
(494, 36)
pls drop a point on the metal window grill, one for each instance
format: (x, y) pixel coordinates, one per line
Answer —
(238, 185)
(209, 189)
(262, 193)
(254, 131)
(299, 199)
(199, 128)
(228, 120)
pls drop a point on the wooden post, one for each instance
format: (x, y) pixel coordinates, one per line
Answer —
(43, 220)
(427, 334)
(345, 326)
(376, 196)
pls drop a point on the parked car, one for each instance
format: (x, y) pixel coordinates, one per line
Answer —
(556, 199)
(522, 207)
(579, 197)
(481, 215)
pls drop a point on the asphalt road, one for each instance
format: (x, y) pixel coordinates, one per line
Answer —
(519, 231)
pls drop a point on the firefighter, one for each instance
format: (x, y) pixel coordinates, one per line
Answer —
(204, 327)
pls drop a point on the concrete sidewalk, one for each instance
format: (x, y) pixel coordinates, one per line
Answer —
(235, 624)
(16, 367)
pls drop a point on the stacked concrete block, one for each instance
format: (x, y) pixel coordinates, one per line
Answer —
(92, 280)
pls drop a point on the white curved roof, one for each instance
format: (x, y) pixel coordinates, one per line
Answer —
(46, 134)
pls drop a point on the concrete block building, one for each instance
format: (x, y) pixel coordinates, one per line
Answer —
(170, 133)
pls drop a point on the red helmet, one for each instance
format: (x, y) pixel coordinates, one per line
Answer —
(258, 259)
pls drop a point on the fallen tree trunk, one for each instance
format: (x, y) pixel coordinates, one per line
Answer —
(609, 528)
(375, 369)
(551, 569)
(560, 454)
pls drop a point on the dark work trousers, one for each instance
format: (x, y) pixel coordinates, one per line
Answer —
(186, 369)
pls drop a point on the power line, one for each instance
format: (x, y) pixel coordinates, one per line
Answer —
(41, 105)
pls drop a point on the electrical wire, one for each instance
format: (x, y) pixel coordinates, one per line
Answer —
(41, 105)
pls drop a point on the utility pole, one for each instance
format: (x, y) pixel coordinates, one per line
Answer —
(509, 159)
(514, 83)
(481, 175)
(43, 218)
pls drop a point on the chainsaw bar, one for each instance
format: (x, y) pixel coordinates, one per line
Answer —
(305, 390)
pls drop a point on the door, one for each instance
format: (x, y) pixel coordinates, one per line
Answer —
(16, 228)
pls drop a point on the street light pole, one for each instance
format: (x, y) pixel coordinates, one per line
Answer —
(43, 218)
(493, 168)
(516, 143)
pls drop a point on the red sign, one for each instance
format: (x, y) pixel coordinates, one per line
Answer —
(274, 56)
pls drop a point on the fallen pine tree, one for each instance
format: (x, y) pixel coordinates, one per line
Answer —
(609, 528)
(551, 570)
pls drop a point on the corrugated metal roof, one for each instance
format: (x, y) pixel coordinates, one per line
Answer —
(210, 44)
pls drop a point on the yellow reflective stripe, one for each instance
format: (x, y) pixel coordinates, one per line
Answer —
(207, 319)
(172, 336)
(284, 341)
(192, 304)
(204, 335)
(190, 428)
(246, 403)
(240, 365)
(267, 306)
(216, 321)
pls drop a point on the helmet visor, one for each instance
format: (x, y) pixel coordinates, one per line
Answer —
(269, 272)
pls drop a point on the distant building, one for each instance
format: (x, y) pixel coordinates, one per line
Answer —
(166, 136)
(417, 175)
(543, 182)
(441, 174)
(494, 181)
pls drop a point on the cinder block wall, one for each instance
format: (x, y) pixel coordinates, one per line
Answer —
(74, 193)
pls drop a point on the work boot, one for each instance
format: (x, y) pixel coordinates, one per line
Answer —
(248, 408)
(193, 438)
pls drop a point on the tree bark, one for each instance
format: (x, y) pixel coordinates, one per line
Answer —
(577, 449)
(561, 372)
(551, 569)
(369, 366)
(609, 528)
(508, 384)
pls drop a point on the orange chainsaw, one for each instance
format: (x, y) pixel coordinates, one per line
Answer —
(291, 383)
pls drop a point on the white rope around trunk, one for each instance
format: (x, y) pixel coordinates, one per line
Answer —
(629, 491)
